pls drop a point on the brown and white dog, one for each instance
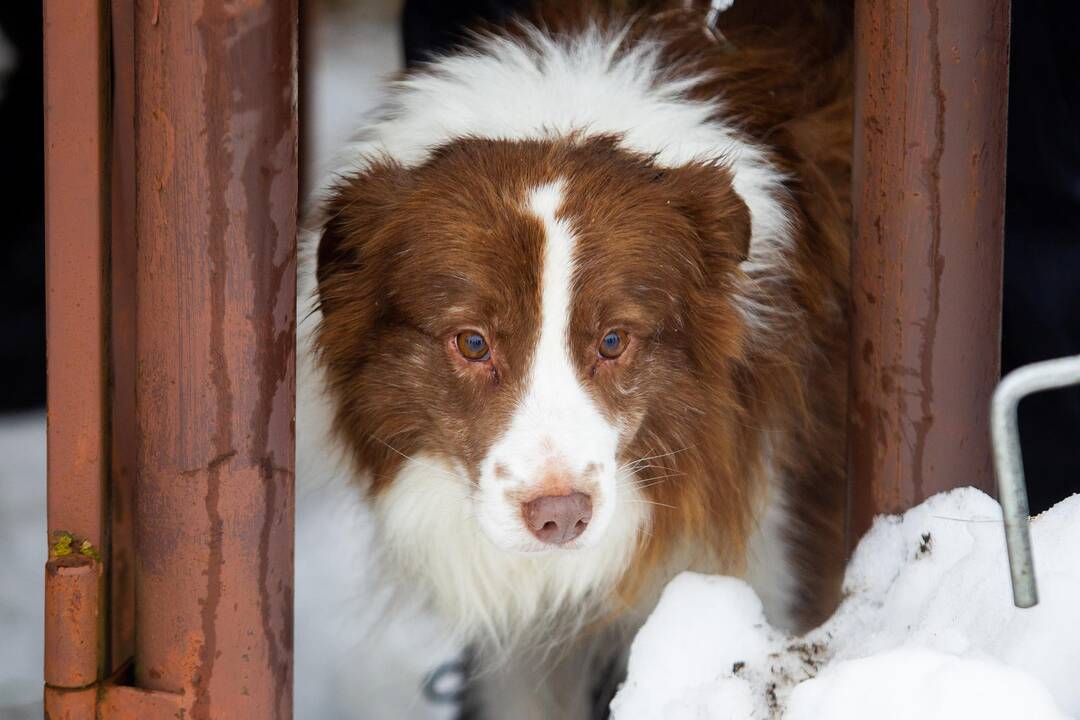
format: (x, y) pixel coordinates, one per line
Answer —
(581, 322)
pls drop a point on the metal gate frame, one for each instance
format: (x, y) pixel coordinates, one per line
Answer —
(171, 201)
(171, 204)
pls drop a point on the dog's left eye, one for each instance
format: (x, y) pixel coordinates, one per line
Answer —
(473, 346)
(613, 344)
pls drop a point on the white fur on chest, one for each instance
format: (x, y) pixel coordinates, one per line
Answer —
(429, 535)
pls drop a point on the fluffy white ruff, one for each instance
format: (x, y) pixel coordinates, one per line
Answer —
(430, 538)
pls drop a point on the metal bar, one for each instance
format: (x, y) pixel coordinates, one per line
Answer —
(73, 704)
(929, 158)
(76, 82)
(73, 638)
(122, 336)
(76, 85)
(1009, 463)
(131, 703)
(215, 217)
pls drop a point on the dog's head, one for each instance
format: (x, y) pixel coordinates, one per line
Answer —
(534, 320)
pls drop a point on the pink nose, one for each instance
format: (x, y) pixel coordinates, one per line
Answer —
(558, 519)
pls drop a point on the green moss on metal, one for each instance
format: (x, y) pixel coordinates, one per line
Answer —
(64, 543)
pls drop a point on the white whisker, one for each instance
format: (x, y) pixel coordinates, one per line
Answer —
(650, 502)
(421, 462)
(636, 462)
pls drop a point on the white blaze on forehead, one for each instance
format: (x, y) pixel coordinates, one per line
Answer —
(557, 412)
(556, 427)
(556, 282)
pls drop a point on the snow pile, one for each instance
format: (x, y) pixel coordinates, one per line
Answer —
(927, 630)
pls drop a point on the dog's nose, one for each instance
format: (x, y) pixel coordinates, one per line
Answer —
(558, 519)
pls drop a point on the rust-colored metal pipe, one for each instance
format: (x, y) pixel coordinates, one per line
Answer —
(929, 188)
(215, 218)
(123, 427)
(76, 192)
(74, 647)
(76, 82)
(72, 623)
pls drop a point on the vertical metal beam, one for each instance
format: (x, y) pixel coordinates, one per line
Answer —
(930, 121)
(72, 621)
(76, 85)
(122, 302)
(215, 217)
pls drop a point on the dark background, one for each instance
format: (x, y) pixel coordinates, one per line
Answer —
(22, 247)
(1042, 223)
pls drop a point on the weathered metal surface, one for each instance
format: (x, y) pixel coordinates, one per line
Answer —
(63, 704)
(73, 638)
(76, 82)
(75, 267)
(216, 199)
(123, 702)
(123, 428)
(930, 89)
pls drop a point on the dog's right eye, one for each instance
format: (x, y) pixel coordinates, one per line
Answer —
(613, 344)
(473, 346)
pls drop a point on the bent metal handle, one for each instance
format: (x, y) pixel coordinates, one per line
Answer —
(1009, 466)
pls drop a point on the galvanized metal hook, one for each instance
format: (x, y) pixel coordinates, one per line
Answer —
(1009, 466)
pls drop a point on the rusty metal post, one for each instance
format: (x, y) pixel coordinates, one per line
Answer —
(215, 218)
(929, 181)
(123, 427)
(74, 642)
(76, 82)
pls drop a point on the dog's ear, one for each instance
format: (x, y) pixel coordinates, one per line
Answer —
(355, 249)
(704, 193)
(720, 223)
(353, 243)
